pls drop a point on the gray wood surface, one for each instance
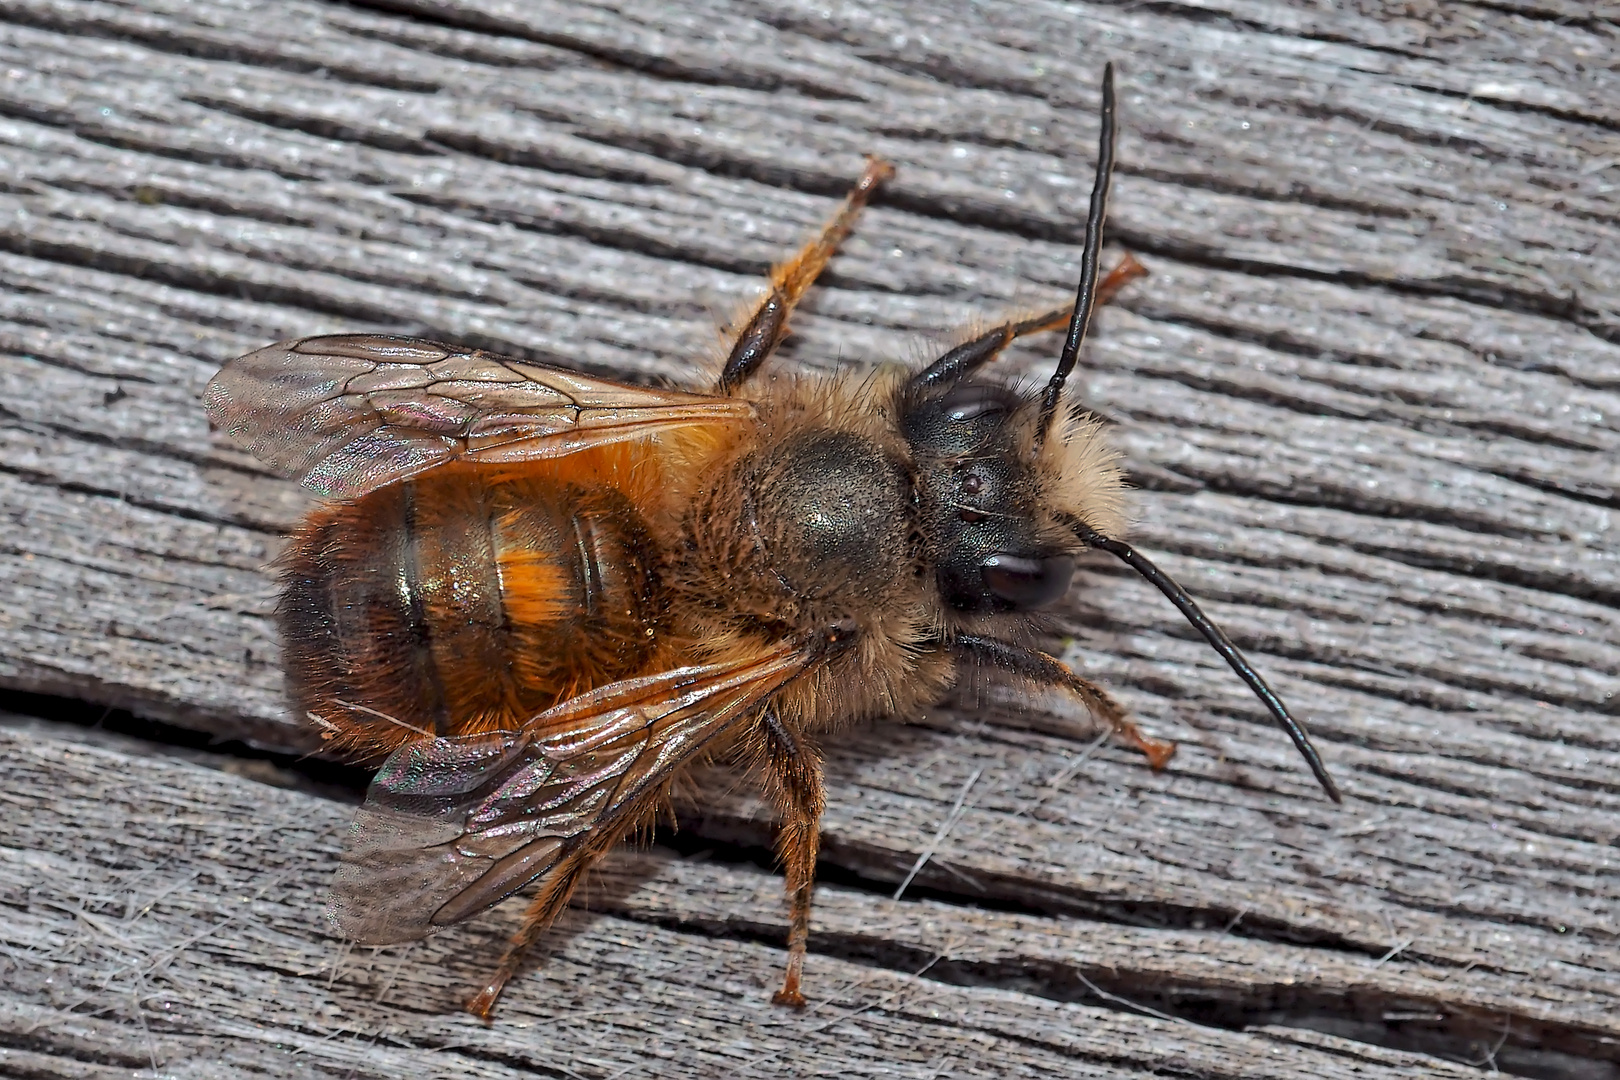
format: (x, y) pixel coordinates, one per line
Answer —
(1371, 395)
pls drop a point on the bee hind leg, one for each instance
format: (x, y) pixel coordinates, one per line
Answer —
(792, 782)
(1051, 672)
(555, 889)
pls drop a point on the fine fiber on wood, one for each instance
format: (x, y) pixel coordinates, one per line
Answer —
(1369, 397)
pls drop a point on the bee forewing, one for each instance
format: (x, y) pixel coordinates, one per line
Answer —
(349, 413)
(404, 859)
(452, 826)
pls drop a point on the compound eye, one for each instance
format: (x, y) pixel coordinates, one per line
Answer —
(1027, 583)
(972, 401)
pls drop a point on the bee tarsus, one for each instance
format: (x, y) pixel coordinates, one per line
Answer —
(1050, 672)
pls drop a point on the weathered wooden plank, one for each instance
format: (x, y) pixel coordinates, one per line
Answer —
(1372, 389)
(172, 921)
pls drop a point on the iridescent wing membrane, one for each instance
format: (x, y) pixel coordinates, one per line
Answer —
(350, 413)
(452, 826)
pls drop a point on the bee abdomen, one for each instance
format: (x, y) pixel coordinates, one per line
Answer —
(453, 603)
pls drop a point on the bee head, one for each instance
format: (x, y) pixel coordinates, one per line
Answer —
(1010, 487)
(992, 492)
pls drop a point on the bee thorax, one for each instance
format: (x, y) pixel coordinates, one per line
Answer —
(801, 529)
(836, 505)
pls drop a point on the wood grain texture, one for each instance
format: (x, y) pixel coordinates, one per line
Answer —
(1371, 394)
(173, 923)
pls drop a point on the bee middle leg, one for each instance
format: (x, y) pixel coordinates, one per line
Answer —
(1051, 672)
(792, 783)
(767, 324)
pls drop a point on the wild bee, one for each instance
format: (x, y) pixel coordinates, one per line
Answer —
(543, 594)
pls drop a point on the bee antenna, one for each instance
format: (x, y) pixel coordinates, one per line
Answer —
(1218, 640)
(1090, 255)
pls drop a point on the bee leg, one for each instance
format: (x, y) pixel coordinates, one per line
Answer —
(1127, 270)
(555, 889)
(767, 324)
(969, 356)
(792, 768)
(1049, 671)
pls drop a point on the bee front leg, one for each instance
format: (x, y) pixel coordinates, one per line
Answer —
(971, 355)
(792, 783)
(1051, 672)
